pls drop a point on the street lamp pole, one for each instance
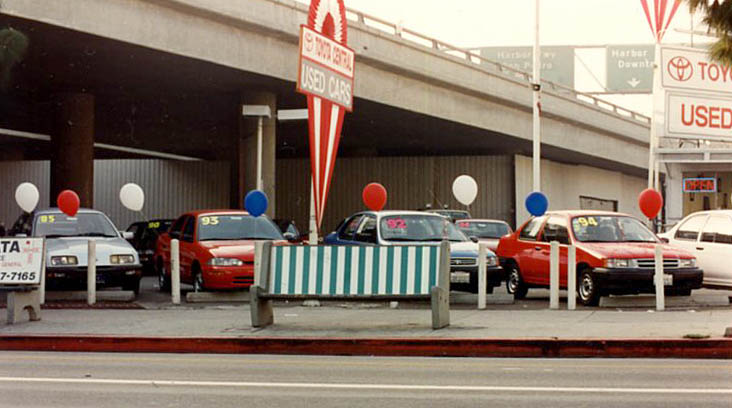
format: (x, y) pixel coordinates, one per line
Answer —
(536, 86)
(260, 112)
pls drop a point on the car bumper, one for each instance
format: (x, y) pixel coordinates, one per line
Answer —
(464, 278)
(641, 280)
(228, 277)
(107, 275)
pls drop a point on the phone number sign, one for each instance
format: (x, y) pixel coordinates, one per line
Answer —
(700, 185)
(20, 261)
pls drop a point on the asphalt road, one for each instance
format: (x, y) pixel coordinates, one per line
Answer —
(114, 380)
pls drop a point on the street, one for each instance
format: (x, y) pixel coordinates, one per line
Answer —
(112, 380)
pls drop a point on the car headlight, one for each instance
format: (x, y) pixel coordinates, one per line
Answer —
(491, 261)
(64, 260)
(225, 262)
(687, 263)
(121, 259)
(620, 263)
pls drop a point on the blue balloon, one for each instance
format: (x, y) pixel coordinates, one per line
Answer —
(537, 203)
(255, 203)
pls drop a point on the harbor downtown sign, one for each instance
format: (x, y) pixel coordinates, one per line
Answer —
(326, 76)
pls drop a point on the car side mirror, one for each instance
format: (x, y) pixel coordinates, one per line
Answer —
(128, 235)
(474, 238)
(289, 236)
(187, 237)
(664, 240)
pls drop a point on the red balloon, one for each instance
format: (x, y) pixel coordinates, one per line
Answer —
(374, 196)
(68, 202)
(650, 202)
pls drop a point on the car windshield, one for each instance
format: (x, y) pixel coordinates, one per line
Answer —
(82, 224)
(412, 227)
(160, 225)
(482, 229)
(454, 214)
(233, 227)
(610, 228)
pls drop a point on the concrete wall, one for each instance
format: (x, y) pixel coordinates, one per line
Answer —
(563, 185)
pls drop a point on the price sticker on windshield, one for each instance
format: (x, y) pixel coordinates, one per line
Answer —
(586, 221)
(47, 219)
(153, 225)
(209, 220)
(396, 223)
(464, 224)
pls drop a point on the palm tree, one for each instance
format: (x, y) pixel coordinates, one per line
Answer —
(718, 17)
(13, 46)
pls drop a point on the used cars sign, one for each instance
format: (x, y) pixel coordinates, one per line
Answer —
(20, 261)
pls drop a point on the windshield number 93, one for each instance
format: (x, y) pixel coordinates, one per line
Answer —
(209, 220)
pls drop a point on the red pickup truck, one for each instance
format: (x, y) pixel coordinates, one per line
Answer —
(615, 255)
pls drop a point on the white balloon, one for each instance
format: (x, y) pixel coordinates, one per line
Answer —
(132, 196)
(26, 195)
(465, 189)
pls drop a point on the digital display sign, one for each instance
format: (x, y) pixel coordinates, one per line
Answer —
(700, 185)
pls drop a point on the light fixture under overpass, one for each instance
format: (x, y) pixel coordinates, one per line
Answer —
(141, 152)
(259, 111)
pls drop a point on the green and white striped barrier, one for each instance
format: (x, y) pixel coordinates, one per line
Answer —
(350, 273)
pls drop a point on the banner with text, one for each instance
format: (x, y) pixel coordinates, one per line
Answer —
(20, 261)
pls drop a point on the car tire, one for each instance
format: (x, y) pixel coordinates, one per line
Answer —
(679, 292)
(588, 289)
(198, 284)
(163, 279)
(133, 285)
(515, 284)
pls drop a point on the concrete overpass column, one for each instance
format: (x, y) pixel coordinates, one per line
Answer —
(248, 148)
(72, 138)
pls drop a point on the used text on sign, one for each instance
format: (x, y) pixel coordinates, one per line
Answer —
(326, 69)
(698, 115)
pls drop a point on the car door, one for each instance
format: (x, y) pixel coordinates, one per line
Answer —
(174, 233)
(687, 234)
(347, 232)
(526, 245)
(366, 232)
(555, 229)
(187, 249)
(714, 249)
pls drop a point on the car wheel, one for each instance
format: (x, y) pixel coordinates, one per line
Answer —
(588, 290)
(515, 284)
(198, 283)
(163, 279)
(679, 292)
(133, 285)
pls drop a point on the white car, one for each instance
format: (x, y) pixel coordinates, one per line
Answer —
(707, 235)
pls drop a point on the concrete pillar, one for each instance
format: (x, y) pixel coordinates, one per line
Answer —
(247, 158)
(72, 138)
(674, 194)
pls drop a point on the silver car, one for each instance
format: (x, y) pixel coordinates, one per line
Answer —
(67, 242)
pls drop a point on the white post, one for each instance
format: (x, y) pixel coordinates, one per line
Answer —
(482, 268)
(91, 273)
(572, 277)
(536, 86)
(42, 288)
(175, 271)
(554, 276)
(259, 153)
(313, 237)
(258, 249)
(658, 278)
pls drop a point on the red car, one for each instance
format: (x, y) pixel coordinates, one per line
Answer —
(216, 248)
(615, 255)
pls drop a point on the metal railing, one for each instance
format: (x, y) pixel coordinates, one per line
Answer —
(472, 57)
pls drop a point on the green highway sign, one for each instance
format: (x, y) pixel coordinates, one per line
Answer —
(557, 63)
(629, 68)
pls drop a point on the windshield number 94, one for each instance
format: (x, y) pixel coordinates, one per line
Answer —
(587, 221)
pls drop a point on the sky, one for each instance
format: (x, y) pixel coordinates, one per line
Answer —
(479, 23)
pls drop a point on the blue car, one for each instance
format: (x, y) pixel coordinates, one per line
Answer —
(420, 228)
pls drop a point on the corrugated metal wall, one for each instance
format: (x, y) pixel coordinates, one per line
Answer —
(13, 173)
(171, 187)
(411, 182)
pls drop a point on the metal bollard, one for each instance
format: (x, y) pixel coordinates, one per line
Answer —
(175, 271)
(482, 270)
(572, 277)
(658, 278)
(42, 286)
(554, 276)
(91, 273)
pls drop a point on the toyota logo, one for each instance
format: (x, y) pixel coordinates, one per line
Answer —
(680, 69)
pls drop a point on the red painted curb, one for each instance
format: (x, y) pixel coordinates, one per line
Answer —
(425, 347)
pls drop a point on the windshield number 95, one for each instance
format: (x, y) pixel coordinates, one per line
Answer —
(209, 220)
(47, 219)
(17, 276)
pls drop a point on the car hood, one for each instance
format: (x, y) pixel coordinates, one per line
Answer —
(79, 247)
(631, 250)
(241, 249)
